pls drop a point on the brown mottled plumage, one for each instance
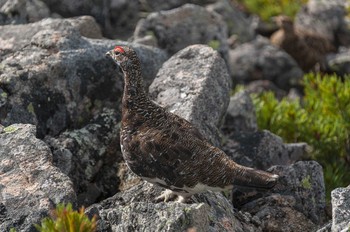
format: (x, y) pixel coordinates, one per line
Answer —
(167, 150)
(308, 49)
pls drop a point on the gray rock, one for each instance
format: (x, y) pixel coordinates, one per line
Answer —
(158, 5)
(116, 17)
(237, 23)
(259, 60)
(194, 84)
(296, 203)
(30, 184)
(278, 213)
(304, 181)
(261, 86)
(326, 18)
(178, 28)
(13, 12)
(57, 79)
(22, 11)
(341, 209)
(262, 149)
(240, 114)
(339, 63)
(135, 210)
(90, 157)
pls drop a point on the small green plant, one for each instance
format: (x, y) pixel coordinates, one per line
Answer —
(269, 8)
(65, 219)
(321, 119)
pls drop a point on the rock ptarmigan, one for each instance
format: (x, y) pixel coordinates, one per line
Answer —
(307, 49)
(165, 149)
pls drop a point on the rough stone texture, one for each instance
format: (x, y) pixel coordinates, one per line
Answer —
(237, 23)
(178, 28)
(278, 213)
(135, 210)
(90, 157)
(190, 83)
(240, 114)
(30, 184)
(259, 60)
(297, 203)
(54, 78)
(304, 181)
(116, 17)
(341, 209)
(22, 11)
(262, 149)
(326, 18)
(339, 63)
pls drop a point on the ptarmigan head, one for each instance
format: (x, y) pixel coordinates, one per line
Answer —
(124, 56)
(284, 22)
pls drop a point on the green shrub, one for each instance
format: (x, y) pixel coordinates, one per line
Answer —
(269, 8)
(65, 219)
(321, 119)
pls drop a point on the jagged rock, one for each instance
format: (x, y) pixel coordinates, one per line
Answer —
(237, 23)
(297, 202)
(259, 60)
(326, 18)
(90, 157)
(190, 83)
(178, 28)
(136, 210)
(262, 149)
(57, 79)
(341, 209)
(30, 184)
(117, 18)
(240, 114)
(304, 181)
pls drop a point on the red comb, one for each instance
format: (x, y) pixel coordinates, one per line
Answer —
(119, 49)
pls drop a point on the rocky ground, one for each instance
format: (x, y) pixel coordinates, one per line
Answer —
(60, 112)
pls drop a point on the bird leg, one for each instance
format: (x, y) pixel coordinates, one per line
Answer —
(166, 196)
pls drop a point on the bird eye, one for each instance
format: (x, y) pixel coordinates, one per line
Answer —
(119, 49)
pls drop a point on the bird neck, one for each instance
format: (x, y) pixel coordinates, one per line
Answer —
(134, 93)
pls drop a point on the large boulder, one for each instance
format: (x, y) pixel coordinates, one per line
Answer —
(90, 156)
(296, 203)
(178, 28)
(22, 11)
(54, 77)
(191, 82)
(30, 184)
(259, 60)
(117, 18)
(136, 210)
(262, 149)
(238, 24)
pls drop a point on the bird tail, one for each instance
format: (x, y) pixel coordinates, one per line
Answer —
(249, 177)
